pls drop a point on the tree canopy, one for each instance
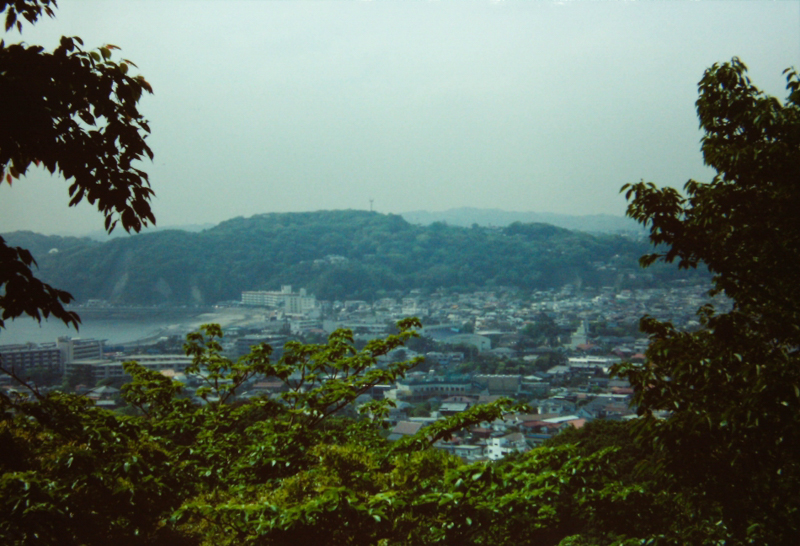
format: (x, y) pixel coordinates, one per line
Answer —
(74, 112)
(733, 388)
(288, 469)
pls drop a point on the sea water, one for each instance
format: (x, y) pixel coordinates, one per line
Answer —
(114, 331)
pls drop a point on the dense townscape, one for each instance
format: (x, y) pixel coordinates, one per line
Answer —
(552, 350)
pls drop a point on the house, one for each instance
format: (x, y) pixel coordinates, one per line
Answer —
(499, 447)
(466, 451)
(451, 408)
(405, 428)
(608, 405)
(469, 452)
(555, 405)
(541, 430)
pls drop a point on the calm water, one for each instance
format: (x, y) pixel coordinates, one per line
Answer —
(24, 330)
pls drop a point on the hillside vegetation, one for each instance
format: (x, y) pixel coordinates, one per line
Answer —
(382, 254)
(466, 216)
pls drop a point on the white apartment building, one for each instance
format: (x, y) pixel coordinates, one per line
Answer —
(293, 303)
(497, 448)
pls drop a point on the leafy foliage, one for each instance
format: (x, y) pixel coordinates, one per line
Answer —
(732, 388)
(24, 294)
(75, 112)
(73, 473)
(30, 10)
(287, 469)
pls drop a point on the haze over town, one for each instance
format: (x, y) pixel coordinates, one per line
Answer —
(523, 106)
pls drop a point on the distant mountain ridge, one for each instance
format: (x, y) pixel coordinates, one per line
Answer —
(342, 254)
(466, 216)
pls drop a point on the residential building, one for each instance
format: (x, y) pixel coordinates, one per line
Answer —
(22, 358)
(100, 369)
(292, 303)
(508, 385)
(79, 349)
(245, 343)
(499, 447)
(405, 428)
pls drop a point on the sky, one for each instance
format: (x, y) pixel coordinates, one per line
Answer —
(279, 106)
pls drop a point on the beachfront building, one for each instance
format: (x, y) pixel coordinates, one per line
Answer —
(292, 303)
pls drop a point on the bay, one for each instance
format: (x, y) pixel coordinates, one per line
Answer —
(27, 330)
(126, 326)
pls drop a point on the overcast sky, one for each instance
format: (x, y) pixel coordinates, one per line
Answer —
(273, 106)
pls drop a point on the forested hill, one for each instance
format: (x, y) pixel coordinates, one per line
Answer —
(334, 254)
(466, 216)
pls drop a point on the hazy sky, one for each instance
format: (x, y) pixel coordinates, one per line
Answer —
(272, 106)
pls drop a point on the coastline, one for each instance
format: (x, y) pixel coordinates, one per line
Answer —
(129, 326)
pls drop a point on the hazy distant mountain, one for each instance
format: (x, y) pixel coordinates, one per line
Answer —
(40, 245)
(466, 216)
(102, 236)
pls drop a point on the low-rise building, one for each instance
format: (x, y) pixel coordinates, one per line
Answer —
(421, 391)
(445, 358)
(245, 343)
(405, 428)
(99, 369)
(499, 447)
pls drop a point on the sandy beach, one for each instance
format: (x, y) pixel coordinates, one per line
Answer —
(227, 317)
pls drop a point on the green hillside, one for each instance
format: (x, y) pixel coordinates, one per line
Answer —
(334, 254)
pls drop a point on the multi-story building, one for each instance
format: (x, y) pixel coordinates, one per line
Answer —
(79, 349)
(445, 359)
(22, 359)
(505, 384)
(100, 369)
(47, 358)
(291, 302)
(300, 325)
(369, 326)
(414, 391)
(276, 341)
